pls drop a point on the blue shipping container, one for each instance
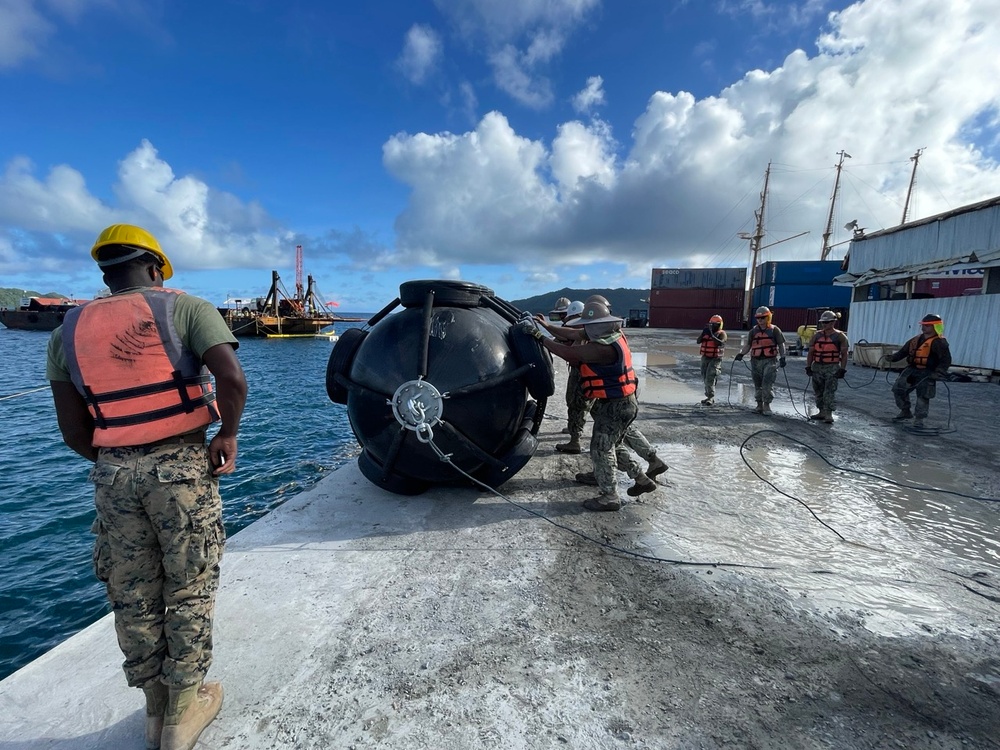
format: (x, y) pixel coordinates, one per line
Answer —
(797, 272)
(699, 278)
(802, 295)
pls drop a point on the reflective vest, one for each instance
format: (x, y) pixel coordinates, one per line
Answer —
(711, 348)
(826, 349)
(763, 342)
(919, 354)
(615, 380)
(140, 382)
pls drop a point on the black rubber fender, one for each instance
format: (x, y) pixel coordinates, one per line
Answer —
(340, 362)
(446, 293)
(394, 483)
(540, 379)
(523, 448)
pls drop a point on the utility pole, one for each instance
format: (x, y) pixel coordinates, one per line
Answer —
(755, 240)
(913, 178)
(833, 202)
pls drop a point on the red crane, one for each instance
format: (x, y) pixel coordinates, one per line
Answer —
(299, 291)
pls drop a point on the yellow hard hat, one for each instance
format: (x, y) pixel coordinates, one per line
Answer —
(131, 236)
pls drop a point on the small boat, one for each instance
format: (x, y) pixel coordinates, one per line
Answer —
(280, 315)
(37, 313)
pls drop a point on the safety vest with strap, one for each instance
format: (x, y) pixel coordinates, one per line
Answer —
(140, 382)
(710, 347)
(919, 354)
(763, 342)
(826, 349)
(615, 380)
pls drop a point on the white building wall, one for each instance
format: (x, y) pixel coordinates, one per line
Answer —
(971, 325)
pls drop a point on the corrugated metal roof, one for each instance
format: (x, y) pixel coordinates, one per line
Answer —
(965, 235)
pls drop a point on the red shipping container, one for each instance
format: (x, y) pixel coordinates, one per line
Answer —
(693, 318)
(951, 287)
(697, 298)
(788, 319)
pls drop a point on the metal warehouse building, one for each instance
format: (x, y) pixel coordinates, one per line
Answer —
(960, 240)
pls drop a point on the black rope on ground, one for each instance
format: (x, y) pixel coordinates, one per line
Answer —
(860, 472)
(775, 488)
(446, 457)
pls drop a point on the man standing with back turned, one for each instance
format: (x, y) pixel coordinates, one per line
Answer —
(132, 394)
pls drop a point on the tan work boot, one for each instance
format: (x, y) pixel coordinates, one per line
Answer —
(760, 408)
(827, 416)
(156, 705)
(817, 416)
(656, 467)
(586, 477)
(189, 711)
(643, 484)
(573, 446)
(766, 410)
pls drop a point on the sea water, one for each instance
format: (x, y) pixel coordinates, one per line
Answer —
(290, 437)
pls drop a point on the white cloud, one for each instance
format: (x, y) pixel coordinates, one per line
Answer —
(421, 53)
(591, 96)
(23, 31)
(890, 76)
(197, 226)
(520, 38)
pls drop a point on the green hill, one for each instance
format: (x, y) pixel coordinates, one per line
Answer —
(622, 300)
(10, 297)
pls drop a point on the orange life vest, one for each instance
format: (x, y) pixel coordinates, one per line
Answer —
(140, 382)
(711, 348)
(615, 380)
(763, 342)
(919, 354)
(826, 349)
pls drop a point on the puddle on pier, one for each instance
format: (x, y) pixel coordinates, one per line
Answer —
(888, 571)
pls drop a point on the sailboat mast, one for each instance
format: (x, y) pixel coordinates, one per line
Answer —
(755, 241)
(913, 178)
(833, 203)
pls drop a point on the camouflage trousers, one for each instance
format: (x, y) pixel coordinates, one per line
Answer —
(711, 367)
(824, 382)
(637, 442)
(612, 419)
(765, 372)
(914, 379)
(577, 405)
(159, 542)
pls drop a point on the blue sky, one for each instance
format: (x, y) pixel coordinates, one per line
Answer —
(525, 145)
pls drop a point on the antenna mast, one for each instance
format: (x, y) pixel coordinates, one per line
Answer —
(833, 202)
(755, 240)
(298, 272)
(913, 178)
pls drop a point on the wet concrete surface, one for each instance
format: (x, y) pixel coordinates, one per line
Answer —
(349, 617)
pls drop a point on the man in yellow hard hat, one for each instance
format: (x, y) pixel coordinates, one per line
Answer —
(131, 377)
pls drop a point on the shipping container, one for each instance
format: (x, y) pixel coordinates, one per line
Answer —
(812, 272)
(699, 278)
(801, 295)
(788, 319)
(693, 318)
(697, 298)
(950, 287)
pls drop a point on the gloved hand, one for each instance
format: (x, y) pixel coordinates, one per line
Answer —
(739, 357)
(781, 362)
(530, 328)
(809, 371)
(841, 373)
(706, 331)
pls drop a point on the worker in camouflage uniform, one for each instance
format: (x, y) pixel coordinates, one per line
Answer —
(607, 377)
(131, 380)
(766, 345)
(826, 363)
(928, 358)
(713, 347)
